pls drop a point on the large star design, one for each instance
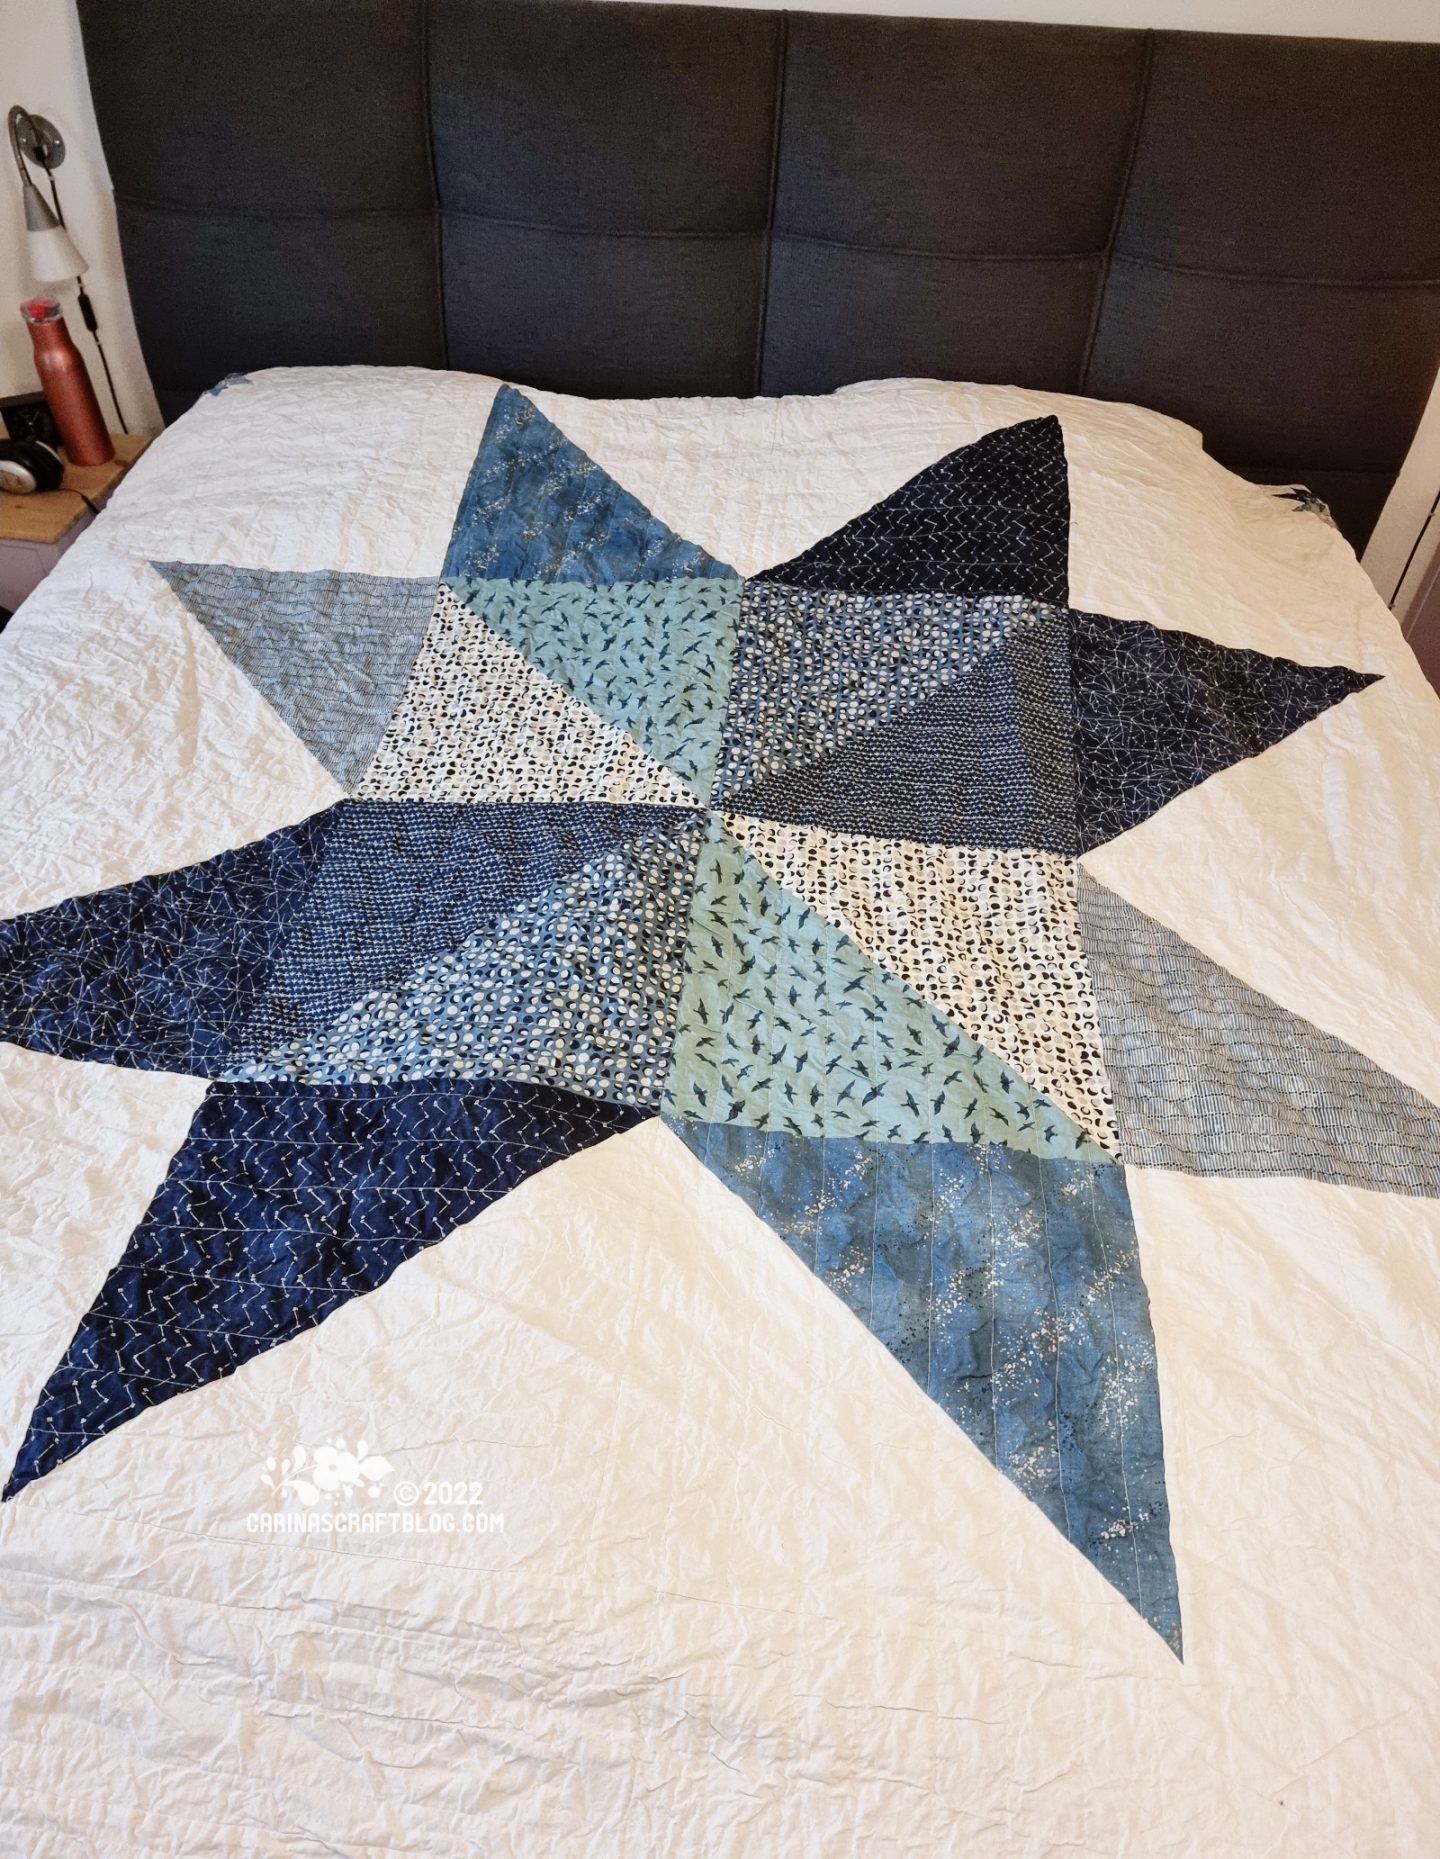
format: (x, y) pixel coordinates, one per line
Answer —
(793, 862)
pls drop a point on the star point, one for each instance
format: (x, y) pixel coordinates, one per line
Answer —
(792, 862)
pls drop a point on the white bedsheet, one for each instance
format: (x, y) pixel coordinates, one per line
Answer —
(720, 1579)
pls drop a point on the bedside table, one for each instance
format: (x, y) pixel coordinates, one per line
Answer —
(35, 531)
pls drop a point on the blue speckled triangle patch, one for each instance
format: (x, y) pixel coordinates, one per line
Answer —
(537, 509)
(1009, 1286)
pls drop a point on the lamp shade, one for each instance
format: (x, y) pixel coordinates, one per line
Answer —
(53, 256)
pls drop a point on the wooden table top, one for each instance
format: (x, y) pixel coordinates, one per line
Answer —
(47, 516)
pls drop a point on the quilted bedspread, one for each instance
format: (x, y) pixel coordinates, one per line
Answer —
(720, 1136)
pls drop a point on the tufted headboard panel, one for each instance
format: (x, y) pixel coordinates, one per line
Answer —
(648, 199)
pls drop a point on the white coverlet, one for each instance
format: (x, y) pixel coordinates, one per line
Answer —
(691, 1563)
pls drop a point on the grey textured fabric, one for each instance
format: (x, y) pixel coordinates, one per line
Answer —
(265, 293)
(1271, 371)
(1293, 192)
(331, 652)
(959, 138)
(581, 312)
(604, 180)
(1213, 1078)
(635, 200)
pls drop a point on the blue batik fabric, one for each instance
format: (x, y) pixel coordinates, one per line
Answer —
(1008, 1285)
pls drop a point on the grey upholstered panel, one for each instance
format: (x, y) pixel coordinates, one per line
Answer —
(839, 313)
(263, 106)
(1279, 285)
(679, 316)
(604, 181)
(217, 321)
(953, 137)
(1310, 158)
(272, 179)
(1271, 370)
(943, 198)
(639, 199)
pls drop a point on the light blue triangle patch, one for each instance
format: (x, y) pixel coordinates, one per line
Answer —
(330, 651)
(1212, 1077)
(785, 1024)
(653, 658)
(537, 509)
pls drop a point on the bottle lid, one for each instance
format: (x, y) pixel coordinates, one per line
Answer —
(40, 310)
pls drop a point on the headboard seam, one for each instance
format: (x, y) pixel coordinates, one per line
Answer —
(782, 50)
(656, 234)
(1307, 278)
(1102, 283)
(265, 215)
(922, 251)
(436, 214)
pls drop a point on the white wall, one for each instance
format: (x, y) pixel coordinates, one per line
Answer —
(42, 66)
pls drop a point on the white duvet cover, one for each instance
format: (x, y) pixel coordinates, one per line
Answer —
(638, 1487)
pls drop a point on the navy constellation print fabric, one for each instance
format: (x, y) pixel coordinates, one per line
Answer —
(990, 518)
(792, 862)
(1158, 712)
(283, 1204)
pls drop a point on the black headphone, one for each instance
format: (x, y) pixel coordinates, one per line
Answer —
(29, 465)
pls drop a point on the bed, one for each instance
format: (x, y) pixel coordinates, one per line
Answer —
(721, 1097)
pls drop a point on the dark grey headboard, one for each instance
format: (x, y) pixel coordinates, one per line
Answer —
(641, 199)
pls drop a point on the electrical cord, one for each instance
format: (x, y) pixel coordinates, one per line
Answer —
(87, 312)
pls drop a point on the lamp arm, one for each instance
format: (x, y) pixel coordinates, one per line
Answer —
(16, 117)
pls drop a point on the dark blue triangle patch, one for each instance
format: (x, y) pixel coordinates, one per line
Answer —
(989, 518)
(986, 761)
(1009, 1286)
(198, 969)
(404, 881)
(1157, 712)
(283, 1203)
(159, 974)
(575, 985)
(537, 509)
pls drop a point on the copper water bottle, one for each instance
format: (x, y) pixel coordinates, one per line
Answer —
(66, 381)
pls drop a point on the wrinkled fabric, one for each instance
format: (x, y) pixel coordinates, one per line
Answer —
(718, 1576)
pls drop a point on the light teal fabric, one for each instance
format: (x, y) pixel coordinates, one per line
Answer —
(653, 658)
(785, 1024)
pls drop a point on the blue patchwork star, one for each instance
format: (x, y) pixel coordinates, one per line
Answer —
(628, 837)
